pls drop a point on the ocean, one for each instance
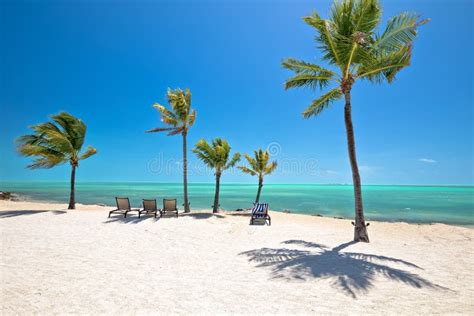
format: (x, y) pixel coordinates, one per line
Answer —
(419, 204)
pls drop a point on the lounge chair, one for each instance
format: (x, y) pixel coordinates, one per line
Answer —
(169, 206)
(260, 212)
(149, 207)
(123, 207)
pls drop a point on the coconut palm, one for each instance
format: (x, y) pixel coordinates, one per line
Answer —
(216, 156)
(349, 43)
(55, 143)
(259, 166)
(179, 119)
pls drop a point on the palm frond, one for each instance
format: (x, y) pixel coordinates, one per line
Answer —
(89, 152)
(366, 16)
(386, 66)
(160, 129)
(270, 168)
(46, 162)
(322, 103)
(176, 131)
(191, 118)
(205, 152)
(307, 80)
(73, 127)
(300, 66)
(247, 170)
(400, 31)
(235, 159)
(326, 38)
(167, 116)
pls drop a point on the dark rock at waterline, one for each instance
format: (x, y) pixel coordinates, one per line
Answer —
(8, 196)
(338, 217)
(318, 215)
(287, 211)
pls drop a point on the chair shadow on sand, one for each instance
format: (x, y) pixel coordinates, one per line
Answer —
(131, 219)
(353, 273)
(15, 213)
(201, 215)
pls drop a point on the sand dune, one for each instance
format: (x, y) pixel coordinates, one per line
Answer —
(59, 261)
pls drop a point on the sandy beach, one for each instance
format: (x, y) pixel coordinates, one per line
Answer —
(58, 261)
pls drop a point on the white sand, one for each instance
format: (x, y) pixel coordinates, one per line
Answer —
(81, 262)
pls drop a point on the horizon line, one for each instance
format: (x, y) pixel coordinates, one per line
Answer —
(237, 183)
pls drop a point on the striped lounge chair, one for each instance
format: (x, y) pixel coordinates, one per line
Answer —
(260, 212)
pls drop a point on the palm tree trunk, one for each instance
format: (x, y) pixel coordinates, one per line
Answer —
(185, 175)
(72, 195)
(360, 228)
(215, 209)
(260, 185)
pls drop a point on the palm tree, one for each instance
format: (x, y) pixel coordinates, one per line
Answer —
(217, 157)
(55, 143)
(349, 43)
(180, 118)
(259, 166)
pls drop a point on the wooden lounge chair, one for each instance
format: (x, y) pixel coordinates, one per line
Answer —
(149, 207)
(169, 206)
(123, 207)
(260, 212)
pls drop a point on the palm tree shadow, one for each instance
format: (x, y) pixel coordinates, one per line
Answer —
(353, 273)
(15, 213)
(202, 215)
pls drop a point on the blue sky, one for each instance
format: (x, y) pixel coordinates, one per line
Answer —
(108, 62)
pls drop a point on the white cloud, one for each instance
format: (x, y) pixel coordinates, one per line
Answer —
(427, 160)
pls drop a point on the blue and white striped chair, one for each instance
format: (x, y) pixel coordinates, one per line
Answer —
(260, 212)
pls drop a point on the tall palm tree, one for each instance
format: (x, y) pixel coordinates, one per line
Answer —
(259, 166)
(55, 143)
(349, 43)
(179, 118)
(217, 157)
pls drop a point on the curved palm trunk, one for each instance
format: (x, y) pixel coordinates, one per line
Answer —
(260, 185)
(72, 195)
(360, 228)
(215, 208)
(185, 175)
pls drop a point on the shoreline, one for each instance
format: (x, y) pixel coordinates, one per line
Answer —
(25, 198)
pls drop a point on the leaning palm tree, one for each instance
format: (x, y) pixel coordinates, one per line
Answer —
(349, 43)
(259, 166)
(55, 143)
(217, 157)
(180, 118)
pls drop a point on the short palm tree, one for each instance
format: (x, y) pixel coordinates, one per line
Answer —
(216, 156)
(55, 143)
(349, 43)
(260, 166)
(179, 118)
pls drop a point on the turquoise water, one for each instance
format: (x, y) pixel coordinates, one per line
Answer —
(423, 204)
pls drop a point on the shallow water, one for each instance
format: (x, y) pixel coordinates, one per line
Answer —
(422, 204)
